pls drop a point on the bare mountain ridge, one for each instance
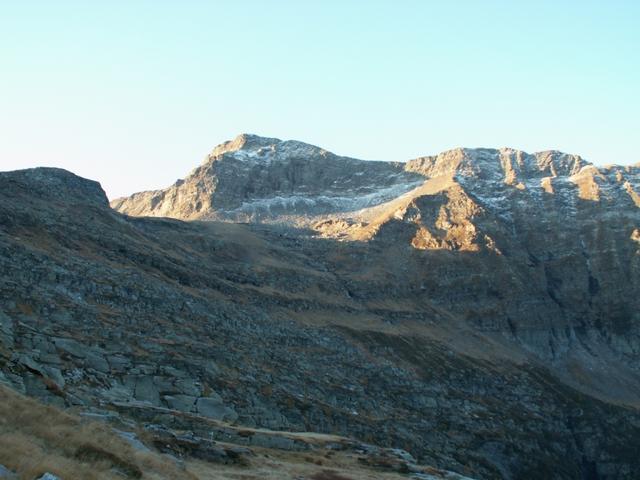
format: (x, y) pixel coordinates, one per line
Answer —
(254, 178)
(268, 180)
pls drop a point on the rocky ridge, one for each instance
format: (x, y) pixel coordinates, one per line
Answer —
(264, 179)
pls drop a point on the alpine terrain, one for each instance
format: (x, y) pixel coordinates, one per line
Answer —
(285, 312)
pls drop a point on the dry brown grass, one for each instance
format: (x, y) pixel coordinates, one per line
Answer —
(35, 438)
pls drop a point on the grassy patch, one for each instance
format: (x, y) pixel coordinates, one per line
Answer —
(35, 438)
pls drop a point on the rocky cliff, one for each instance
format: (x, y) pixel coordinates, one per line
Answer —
(264, 179)
(477, 308)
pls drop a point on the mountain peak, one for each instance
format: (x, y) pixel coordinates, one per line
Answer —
(264, 179)
(244, 141)
(248, 145)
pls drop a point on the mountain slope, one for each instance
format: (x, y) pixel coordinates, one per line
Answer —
(555, 239)
(486, 328)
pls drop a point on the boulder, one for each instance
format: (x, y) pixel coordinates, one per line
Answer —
(71, 347)
(183, 403)
(213, 407)
(173, 372)
(188, 386)
(132, 439)
(146, 391)
(119, 363)
(96, 361)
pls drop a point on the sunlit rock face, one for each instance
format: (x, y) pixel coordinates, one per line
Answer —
(265, 179)
(478, 308)
(257, 179)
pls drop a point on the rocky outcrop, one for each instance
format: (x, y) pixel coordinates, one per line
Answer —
(265, 179)
(53, 185)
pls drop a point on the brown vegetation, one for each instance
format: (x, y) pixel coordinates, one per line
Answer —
(35, 438)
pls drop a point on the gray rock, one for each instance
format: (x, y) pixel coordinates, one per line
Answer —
(71, 347)
(6, 330)
(6, 473)
(145, 390)
(183, 403)
(430, 402)
(47, 371)
(143, 369)
(276, 441)
(132, 439)
(118, 392)
(188, 386)
(29, 362)
(14, 381)
(55, 374)
(403, 454)
(3, 379)
(173, 372)
(164, 384)
(50, 358)
(42, 345)
(119, 363)
(213, 407)
(96, 361)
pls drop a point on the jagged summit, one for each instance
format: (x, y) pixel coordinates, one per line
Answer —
(550, 162)
(255, 178)
(250, 142)
(245, 141)
(264, 179)
(486, 163)
(249, 146)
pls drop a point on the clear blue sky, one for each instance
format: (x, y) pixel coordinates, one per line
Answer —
(135, 93)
